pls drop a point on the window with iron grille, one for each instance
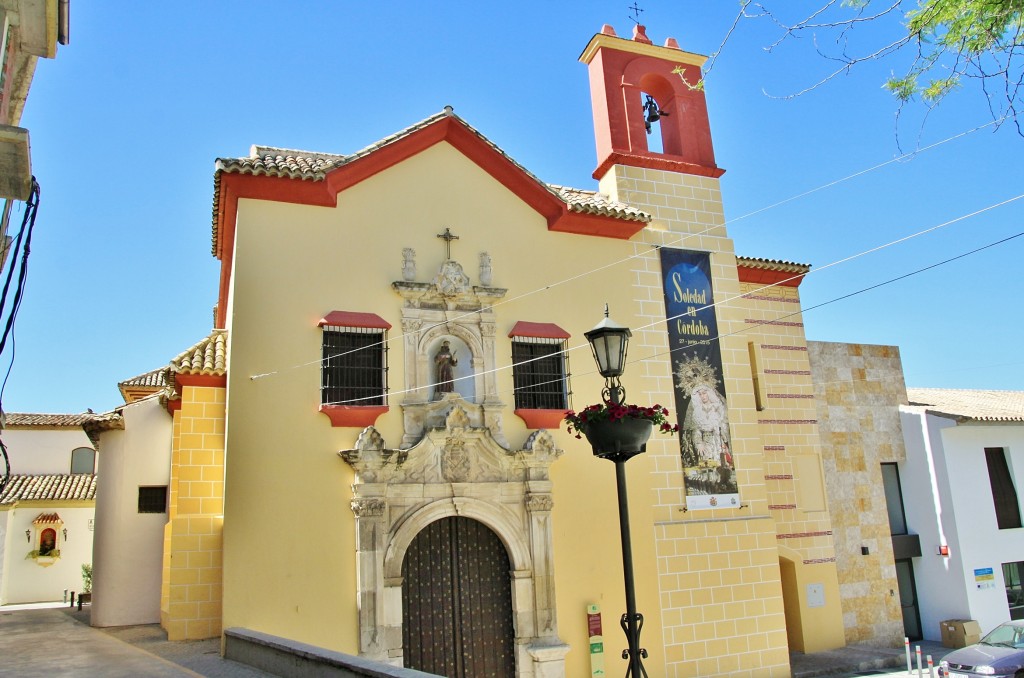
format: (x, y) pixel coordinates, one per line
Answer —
(354, 367)
(540, 373)
(1003, 492)
(153, 499)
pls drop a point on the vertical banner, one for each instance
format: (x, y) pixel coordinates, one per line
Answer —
(701, 406)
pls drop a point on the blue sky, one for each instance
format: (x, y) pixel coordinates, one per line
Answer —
(126, 124)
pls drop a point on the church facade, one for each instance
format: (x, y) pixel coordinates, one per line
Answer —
(367, 453)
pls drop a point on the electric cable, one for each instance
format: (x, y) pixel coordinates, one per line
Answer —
(725, 302)
(679, 241)
(23, 243)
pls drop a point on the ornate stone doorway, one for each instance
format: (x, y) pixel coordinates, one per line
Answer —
(456, 471)
(457, 602)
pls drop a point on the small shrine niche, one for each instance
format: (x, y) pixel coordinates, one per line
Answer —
(46, 535)
(449, 351)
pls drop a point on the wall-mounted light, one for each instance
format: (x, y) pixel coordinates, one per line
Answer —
(28, 536)
(65, 531)
(943, 550)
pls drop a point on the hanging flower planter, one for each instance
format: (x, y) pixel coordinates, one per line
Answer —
(618, 430)
(625, 436)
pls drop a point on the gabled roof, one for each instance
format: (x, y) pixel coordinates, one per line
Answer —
(970, 405)
(54, 487)
(310, 178)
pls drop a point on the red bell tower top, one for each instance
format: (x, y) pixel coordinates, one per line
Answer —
(622, 72)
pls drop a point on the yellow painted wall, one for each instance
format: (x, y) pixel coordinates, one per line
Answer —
(346, 259)
(708, 581)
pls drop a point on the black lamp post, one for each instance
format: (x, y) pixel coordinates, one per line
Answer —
(609, 341)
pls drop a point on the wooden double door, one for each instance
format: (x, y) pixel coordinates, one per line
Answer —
(457, 602)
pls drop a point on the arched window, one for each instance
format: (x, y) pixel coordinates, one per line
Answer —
(83, 460)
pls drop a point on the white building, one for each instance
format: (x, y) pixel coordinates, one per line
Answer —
(47, 508)
(132, 509)
(965, 459)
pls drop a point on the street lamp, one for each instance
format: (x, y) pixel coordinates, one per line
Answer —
(609, 341)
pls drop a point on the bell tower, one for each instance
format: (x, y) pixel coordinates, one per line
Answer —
(634, 84)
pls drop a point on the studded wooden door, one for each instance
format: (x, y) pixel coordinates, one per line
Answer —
(457, 602)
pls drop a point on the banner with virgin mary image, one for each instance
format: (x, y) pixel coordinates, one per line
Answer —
(702, 410)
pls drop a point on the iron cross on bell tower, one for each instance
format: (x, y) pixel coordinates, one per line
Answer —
(447, 236)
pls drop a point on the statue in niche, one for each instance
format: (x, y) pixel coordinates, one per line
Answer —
(444, 372)
(485, 269)
(408, 264)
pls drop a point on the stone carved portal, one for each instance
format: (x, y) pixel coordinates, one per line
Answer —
(456, 469)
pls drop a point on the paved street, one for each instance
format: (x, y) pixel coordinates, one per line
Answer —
(58, 641)
(46, 641)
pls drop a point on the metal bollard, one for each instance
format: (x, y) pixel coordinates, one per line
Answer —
(920, 666)
(931, 667)
(72, 599)
(906, 647)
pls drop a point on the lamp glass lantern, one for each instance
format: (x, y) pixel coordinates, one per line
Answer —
(609, 341)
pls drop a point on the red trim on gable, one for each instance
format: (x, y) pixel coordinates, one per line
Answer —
(657, 163)
(200, 380)
(542, 330)
(353, 415)
(353, 319)
(762, 276)
(325, 193)
(173, 406)
(541, 418)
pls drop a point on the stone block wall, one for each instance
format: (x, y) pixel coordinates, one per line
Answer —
(859, 389)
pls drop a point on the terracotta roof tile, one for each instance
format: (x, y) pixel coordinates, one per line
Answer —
(143, 385)
(12, 419)
(209, 356)
(970, 405)
(56, 487)
(312, 166)
(592, 202)
(772, 265)
(155, 379)
(47, 519)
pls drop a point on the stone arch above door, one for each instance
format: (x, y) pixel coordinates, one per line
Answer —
(502, 521)
(457, 469)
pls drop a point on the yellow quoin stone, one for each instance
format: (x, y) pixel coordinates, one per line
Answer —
(190, 601)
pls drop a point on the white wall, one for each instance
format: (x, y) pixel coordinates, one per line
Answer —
(38, 451)
(5, 516)
(128, 544)
(31, 580)
(962, 516)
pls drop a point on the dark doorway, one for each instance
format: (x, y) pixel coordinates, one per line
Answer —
(908, 599)
(457, 602)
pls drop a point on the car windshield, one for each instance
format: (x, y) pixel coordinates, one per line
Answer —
(1010, 635)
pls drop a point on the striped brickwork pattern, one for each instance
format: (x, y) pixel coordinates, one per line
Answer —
(721, 596)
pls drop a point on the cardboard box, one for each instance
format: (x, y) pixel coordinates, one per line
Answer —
(959, 632)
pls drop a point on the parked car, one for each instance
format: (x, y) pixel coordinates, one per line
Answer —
(1000, 653)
